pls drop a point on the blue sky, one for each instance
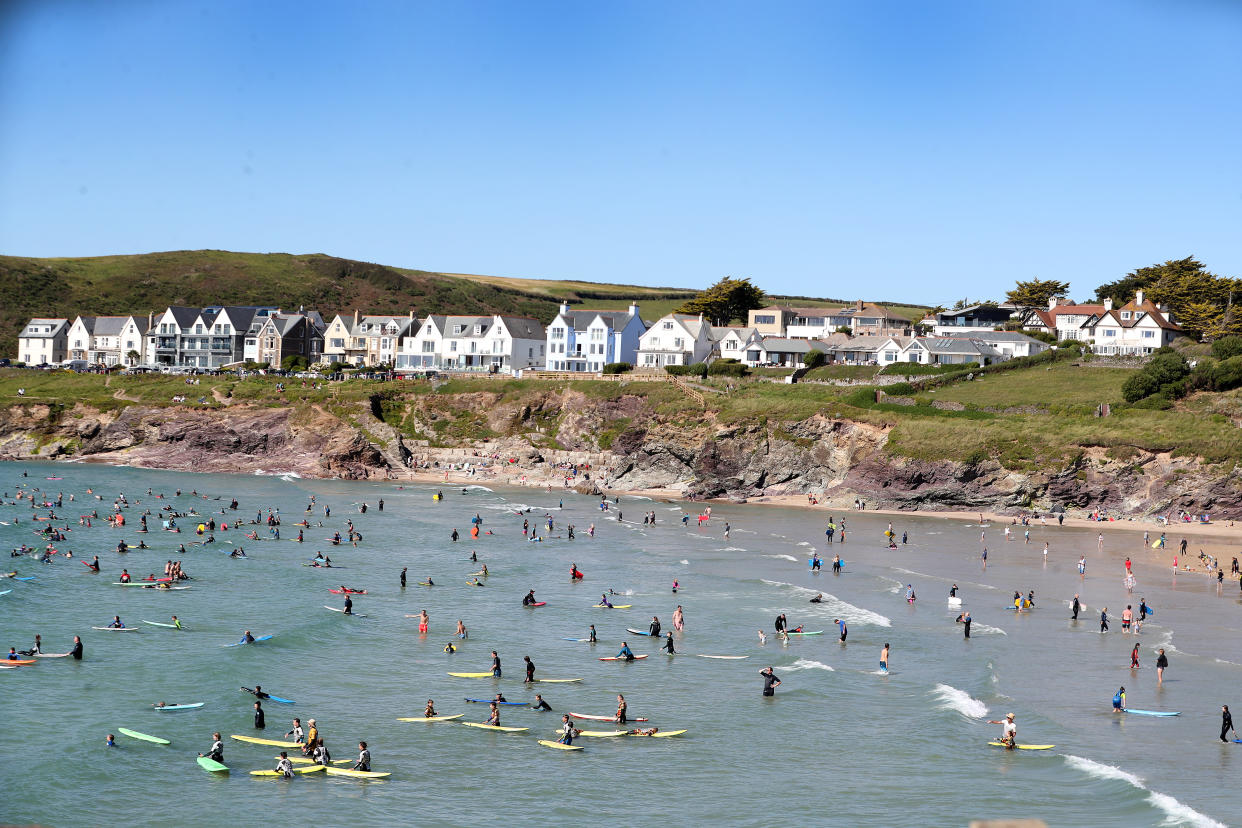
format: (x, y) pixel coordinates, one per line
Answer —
(883, 150)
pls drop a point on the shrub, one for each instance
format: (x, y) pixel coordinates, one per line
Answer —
(814, 359)
(696, 369)
(845, 329)
(918, 369)
(294, 362)
(899, 389)
(1227, 347)
(1042, 336)
(618, 368)
(1141, 385)
(727, 368)
(1226, 374)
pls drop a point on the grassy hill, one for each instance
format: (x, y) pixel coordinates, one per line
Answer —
(106, 285)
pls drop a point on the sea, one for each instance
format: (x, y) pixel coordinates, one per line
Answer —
(839, 744)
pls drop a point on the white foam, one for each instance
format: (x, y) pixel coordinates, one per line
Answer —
(986, 629)
(782, 557)
(1176, 812)
(804, 543)
(953, 699)
(290, 476)
(938, 578)
(897, 585)
(476, 486)
(807, 664)
(685, 563)
(733, 549)
(834, 607)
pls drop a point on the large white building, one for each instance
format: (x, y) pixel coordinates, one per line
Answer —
(676, 339)
(473, 343)
(109, 340)
(587, 340)
(43, 341)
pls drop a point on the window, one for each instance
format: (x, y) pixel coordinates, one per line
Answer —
(668, 326)
(1109, 332)
(226, 329)
(385, 344)
(677, 342)
(478, 330)
(1149, 334)
(597, 334)
(1125, 315)
(337, 343)
(765, 319)
(453, 346)
(198, 329)
(558, 333)
(457, 329)
(429, 347)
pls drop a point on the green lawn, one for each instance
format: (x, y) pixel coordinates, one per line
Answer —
(1060, 384)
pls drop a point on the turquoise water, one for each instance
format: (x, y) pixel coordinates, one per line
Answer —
(838, 745)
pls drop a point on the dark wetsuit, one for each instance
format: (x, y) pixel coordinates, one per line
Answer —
(76, 652)
(542, 704)
(769, 684)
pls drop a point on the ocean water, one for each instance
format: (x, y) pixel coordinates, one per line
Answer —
(839, 744)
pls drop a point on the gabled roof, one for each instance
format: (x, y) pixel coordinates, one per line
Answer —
(184, 317)
(844, 342)
(719, 332)
(693, 324)
(581, 319)
(957, 345)
(88, 322)
(523, 327)
(1136, 316)
(109, 325)
(991, 336)
(31, 330)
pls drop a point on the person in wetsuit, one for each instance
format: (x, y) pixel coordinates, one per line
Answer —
(539, 703)
(770, 681)
(626, 652)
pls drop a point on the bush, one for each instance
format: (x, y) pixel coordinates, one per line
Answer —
(697, 369)
(1070, 345)
(918, 369)
(899, 389)
(1042, 336)
(1141, 385)
(727, 368)
(1227, 347)
(814, 359)
(618, 368)
(337, 367)
(294, 362)
(845, 329)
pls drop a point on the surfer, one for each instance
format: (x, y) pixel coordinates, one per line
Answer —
(430, 710)
(884, 658)
(403, 577)
(654, 629)
(836, 564)
(313, 741)
(76, 652)
(622, 707)
(539, 703)
(964, 618)
(116, 623)
(298, 735)
(668, 644)
(568, 731)
(770, 681)
(1162, 661)
(449, 648)
(841, 626)
(364, 758)
(953, 591)
(495, 664)
(530, 670)
(493, 716)
(283, 766)
(529, 599)
(604, 602)
(910, 597)
(246, 638)
(349, 605)
(592, 638)
(216, 754)
(1119, 701)
(1134, 662)
(1226, 723)
(1077, 607)
(1104, 620)
(818, 599)
(94, 564)
(780, 623)
(1009, 730)
(461, 629)
(260, 721)
(1143, 609)
(258, 693)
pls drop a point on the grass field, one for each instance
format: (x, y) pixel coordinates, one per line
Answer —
(1058, 385)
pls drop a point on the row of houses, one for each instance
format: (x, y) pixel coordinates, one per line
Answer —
(580, 340)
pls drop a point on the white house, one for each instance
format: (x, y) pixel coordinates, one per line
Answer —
(675, 339)
(1010, 344)
(587, 340)
(1063, 319)
(473, 343)
(209, 337)
(862, 350)
(968, 320)
(366, 340)
(108, 340)
(1135, 329)
(785, 352)
(43, 341)
(742, 344)
(949, 350)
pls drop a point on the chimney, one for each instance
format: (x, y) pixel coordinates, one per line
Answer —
(411, 313)
(1108, 303)
(565, 308)
(1052, 303)
(356, 319)
(633, 309)
(1138, 297)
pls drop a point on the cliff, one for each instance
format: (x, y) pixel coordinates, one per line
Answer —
(628, 442)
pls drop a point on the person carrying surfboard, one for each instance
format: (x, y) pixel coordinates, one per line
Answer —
(1119, 701)
(495, 664)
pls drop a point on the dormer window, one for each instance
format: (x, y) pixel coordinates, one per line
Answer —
(1125, 315)
(457, 329)
(478, 329)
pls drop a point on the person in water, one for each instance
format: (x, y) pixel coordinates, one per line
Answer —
(1134, 661)
(283, 766)
(604, 602)
(539, 703)
(568, 731)
(530, 670)
(770, 681)
(592, 638)
(260, 721)
(1119, 701)
(668, 644)
(626, 652)
(246, 638)
(529, 599)
(622, 709)
(216, 753)
(1009, 731)
(842, 628)
(654, 629)
(1226, 723)
(884, 658)
(495, 664)
(364, 758)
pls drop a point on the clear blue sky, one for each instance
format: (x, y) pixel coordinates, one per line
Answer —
(891, 150)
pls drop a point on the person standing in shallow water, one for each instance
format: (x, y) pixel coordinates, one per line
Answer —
(770, 681)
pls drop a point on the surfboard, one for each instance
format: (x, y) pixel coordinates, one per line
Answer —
(348, 592)
(817, 632)
(306, 760)
(612, 718)
(483, 726)
(145, 737)
(256, 641)
(342, 612)
(160, 624)
(576, 639)
(603, 734)
(52, 655)
(558, 681)
(211, 765)
(1024, 747)
(662, 733)
(1151, 712)
(729, 658)
(357, 774)
(270, 697)
(254, 740)
(538, 604)
(623, 658)
(311, 769)
(6, 592)
(13, 662)
(558, 745)
(498, 703)
(116, 629)
(472, 675)
(432, 718)
(614, 606)
(636, 632)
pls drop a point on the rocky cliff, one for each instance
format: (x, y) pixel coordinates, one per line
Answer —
(627, 445)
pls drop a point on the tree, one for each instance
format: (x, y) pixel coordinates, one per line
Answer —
(1226, 347)
(814, 359)
(725, 301)
(132, 356)
(1036, 292)
(293, 362)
